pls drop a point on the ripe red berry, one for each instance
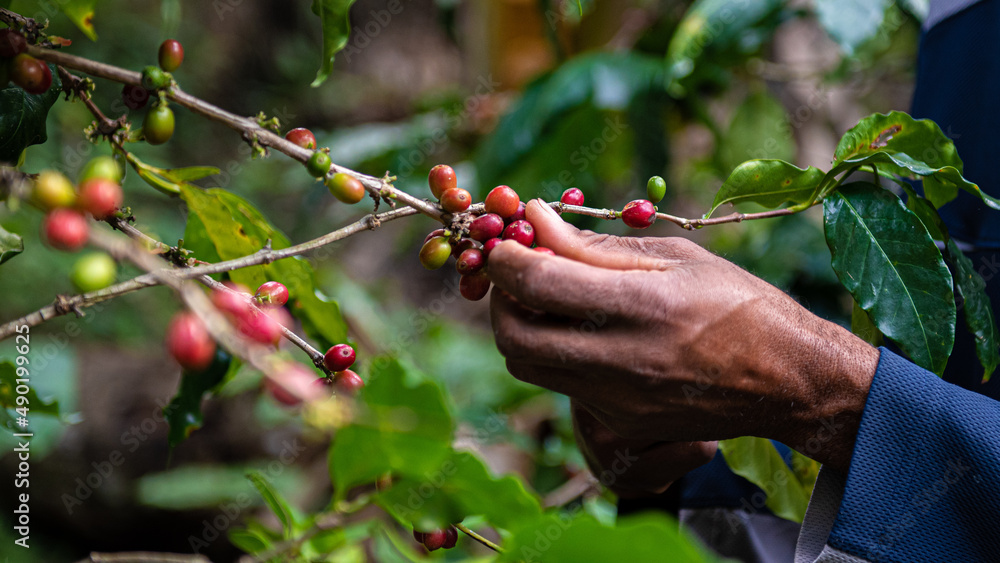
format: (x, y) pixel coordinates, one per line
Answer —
(171, 55)
(455, 200)
(345, 187)
(520, 231)
(639, 214)
(348, 382)
(474, 286)
(470, 261)
(100, 197)
(12, 43)
(441, 179)
(485, 227)
(189, 343)
(302, 137)
(234, 301)
(452, 538)
(65, 229)
(31, 74)
(265, 326)
(272, 294)
(158, 126)
(292, 384)
(489, 245)
(519, 215)
(544, 250)
(339, 357)
(572, 196)
(435, 540)
(503, 201)
(434, 253)
(135, 97)
(463, 245)
(319, 164)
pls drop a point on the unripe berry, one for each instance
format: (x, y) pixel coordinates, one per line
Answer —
(345, 187)
(434, 253)
(489, 245)
(158, 127)
(456, 200)
(485, 227)
(348, 382)
(656, 188)
(31, 74)
(135, 97)
(272, 294)
(53, 190)
(639, 214)
(519, 215)
(474, 286)
(520, 231)
(100, 197)
(302, 137)
(153, 78)
(101, 167)
(12, 43)
(470, 261)
(189, 342)
(339, 357)
(93, 271)
(171, 55)
(503, 201)
(441, 179)
(544, 250)
(292, 384)
(435, 233)
(463, 245)
(65, 229)
(235, 301)
(572, 196)
(319, 164)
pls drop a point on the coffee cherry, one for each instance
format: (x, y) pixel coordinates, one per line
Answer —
(53, 190)
(235, 301)
(93, 271)
(302, 137)
(65, 229)
(639, 214)
(348, 382)
(434, 253)
(135, 97)
(31, 74)
(435, 233)
(456, 200)
(345, 187)
(572, 196)
(265, 326)
(435, 540)
(470, 261)
(463, 245)
(485, 227)
(100, 197)
(474, 286)
(189, 342)
(441, 179)
(171, 55)
(339, 357)
(656, 188)
(452, 538)
(101, 167)
(153, 78)
(489, 245)
(293, 383)
(271, 294)
(503, 201)
(158, 126)
(519, 215)
(544, 250)
(520, 231)
(319, 164)
(12, 43)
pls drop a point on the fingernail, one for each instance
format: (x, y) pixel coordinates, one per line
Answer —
(546, 207)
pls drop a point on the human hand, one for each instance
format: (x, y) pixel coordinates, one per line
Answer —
(666, 341)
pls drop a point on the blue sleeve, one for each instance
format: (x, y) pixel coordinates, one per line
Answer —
(924, 480)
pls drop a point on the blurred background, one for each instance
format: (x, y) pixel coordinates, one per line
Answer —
(541, 95)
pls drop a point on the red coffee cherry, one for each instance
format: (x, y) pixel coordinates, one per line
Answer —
(503, 201)
(463, 245)
(521, 231)
(639, 214)
(100, 197)
(30, 73)
(292, 384)
(348, 382)
(272, 294)
(339, 357)
(544, 250)
(12, 43)
(235, 301)
(189, 343)
(265, 326)
(441, 179)
(485, 227)
(489, 245)
(135, 97)
(519, 215)
(435, 540)
(434, 253)
(302, 137)
(456, 200)
(452, 538)
(65, 229)
(345, 187)
(474, 286)
(470, 261)
(572, 196)
(171, 55)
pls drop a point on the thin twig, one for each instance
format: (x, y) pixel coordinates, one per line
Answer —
(692, 224)
(144, 557)
(478, 538)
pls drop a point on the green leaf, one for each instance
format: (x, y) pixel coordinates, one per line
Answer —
(926, 213)
(863, 327)
(460, 487)
(770, 183)
(885, 258)
(759, 129)
(189, 173)
(757, 460)
(978, 312)
(248, 540)
(8, 395)
(22, 118)
(230, 239)
(404, 427)
(333, 15)
(851, 22)
(81, 12)
(274, 501)
(10, 245)
(183, 414)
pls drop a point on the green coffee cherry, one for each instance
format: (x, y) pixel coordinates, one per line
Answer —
(103, 167)
(153, 78)
(656, 188)
(435, 253)
(93, 271)
(319, 164)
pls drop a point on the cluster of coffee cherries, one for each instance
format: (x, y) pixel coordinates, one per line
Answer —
(344, 187)
(17, 66)
(158, 125)
(437, 539)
